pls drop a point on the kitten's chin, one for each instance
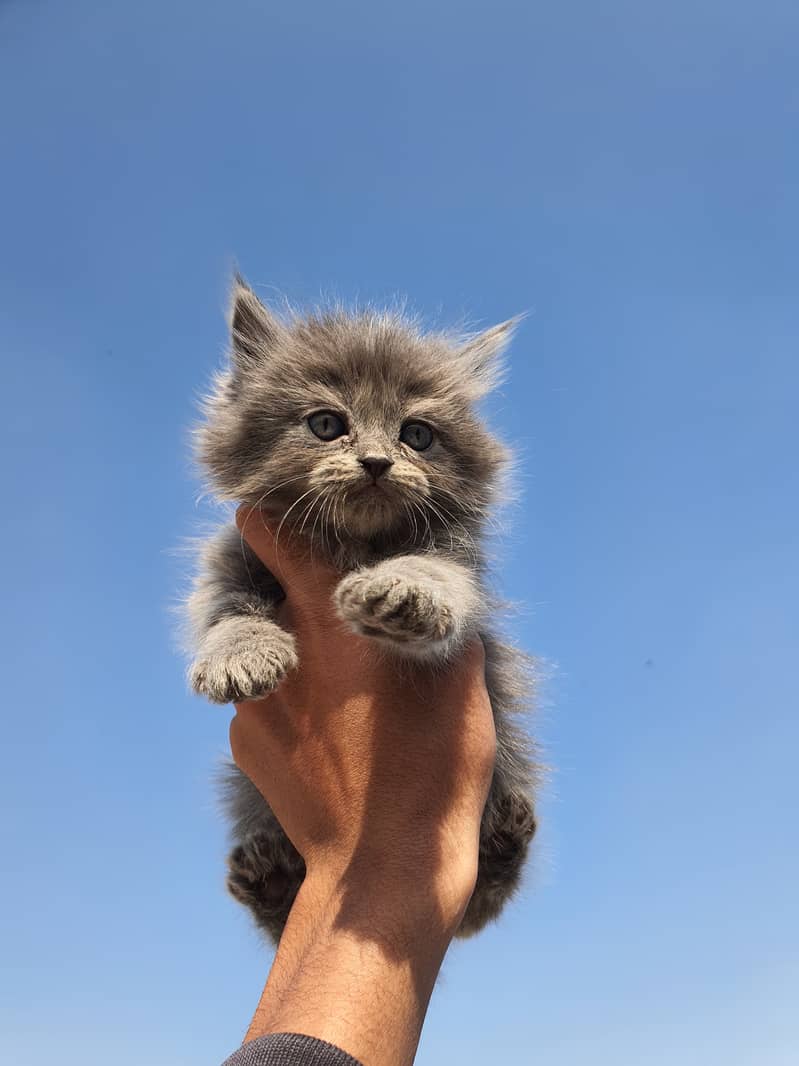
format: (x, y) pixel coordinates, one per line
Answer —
(372, 512)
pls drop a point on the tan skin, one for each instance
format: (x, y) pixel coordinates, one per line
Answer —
(379, 774)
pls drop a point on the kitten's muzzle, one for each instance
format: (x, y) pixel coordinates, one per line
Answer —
(376, 466)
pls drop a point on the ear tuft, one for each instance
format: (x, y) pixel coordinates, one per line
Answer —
(481, 356)
(254, 330)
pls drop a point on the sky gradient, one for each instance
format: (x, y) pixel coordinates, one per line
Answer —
(626, 173)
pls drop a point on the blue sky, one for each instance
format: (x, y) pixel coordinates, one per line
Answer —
(625, 172)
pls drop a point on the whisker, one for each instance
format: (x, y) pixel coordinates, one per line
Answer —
(285, 517)
(313, 529)
(253, 509)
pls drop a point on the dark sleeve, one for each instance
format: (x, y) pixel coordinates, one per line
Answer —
(289, 1049)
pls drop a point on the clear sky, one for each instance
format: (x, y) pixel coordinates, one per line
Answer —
(629, 174)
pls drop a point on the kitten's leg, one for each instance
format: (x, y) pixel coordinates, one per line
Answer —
(241, 652)
(422, 605)
(508, 827)
(265, 870)
(509, 821)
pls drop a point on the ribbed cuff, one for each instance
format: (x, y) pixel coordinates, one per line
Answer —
(289, 1049)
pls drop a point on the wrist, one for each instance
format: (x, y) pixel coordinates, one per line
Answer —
(408, 893)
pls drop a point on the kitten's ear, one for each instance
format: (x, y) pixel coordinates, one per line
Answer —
(254, 330)
(481, 356)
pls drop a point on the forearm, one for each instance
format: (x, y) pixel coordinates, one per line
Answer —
(356, 968)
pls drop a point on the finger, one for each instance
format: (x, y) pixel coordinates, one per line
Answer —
(474, 654)
(305, 580)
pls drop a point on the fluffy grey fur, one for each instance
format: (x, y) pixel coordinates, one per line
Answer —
(405, 527)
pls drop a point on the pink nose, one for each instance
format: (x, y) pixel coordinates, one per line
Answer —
(376, 467)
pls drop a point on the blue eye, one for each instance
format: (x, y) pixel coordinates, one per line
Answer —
(327, 425)
(417, 435)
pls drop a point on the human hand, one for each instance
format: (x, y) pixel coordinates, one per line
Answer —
(371, 765)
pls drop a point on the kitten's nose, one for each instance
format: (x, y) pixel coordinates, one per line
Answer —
(376, 466)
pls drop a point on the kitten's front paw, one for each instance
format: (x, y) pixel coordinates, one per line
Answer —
(387, 606)
(243, 671)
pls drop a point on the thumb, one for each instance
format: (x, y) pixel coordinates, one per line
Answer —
(305, 580)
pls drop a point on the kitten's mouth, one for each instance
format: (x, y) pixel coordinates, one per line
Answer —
(373, 488)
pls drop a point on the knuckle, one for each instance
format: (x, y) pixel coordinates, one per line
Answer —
(234, 735)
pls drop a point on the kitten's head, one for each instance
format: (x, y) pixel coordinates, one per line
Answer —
(354, 426)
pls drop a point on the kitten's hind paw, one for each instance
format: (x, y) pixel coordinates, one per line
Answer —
(243, 662)
(265, 873)
(504, 843)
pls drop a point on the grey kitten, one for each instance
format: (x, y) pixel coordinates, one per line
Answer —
(359, 431)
